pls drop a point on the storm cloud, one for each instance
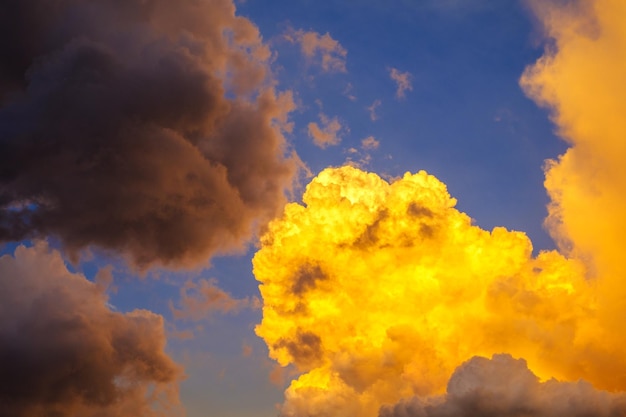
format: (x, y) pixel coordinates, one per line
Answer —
(65, 352)
(146, 128)
(504, 387)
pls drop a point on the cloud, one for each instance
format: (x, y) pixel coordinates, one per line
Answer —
(403, 82)
(64, 352)
(360, 158)
(412, 289)
(322, 50)
(372, 110)
(580, 80)
(200, 300)
(327, 133)
(347, 92)
(370, 143)
(505, 387)
(150, 129)
(246, 350)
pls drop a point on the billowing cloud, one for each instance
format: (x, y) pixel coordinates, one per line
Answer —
(505, 387)
(402, 80)
(377, 291)
(327, 133)
(202, 298)
(65, 353)
(149, 128)
(399, 287)
(319, 49)
(580, 79)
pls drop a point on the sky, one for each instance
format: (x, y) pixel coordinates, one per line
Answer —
(303, 209)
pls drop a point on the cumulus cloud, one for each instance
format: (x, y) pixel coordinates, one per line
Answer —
(327, 133)
(202, 298)
(580, 80)
(413, 288)
(65, 353)
(402, 80)
(150, 128)
(319, 49)
(505, 387)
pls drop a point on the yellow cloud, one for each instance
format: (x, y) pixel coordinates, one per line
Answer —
(378, 291)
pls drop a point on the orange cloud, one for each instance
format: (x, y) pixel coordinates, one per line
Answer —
(360, 158)
(370, 143)
(580, 79)
(199, 300)
(246, 350)
(327, 133)
(403, 82)
(321, 49)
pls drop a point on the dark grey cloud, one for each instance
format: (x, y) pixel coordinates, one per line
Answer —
(65, 353)
(305, 348)
(144, 127)
(306, 278)
(505, 387)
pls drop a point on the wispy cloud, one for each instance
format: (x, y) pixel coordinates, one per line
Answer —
(361, 157)
(372, 109)
(370, 143)
(348, 92)
(327, 133)
(319, 49)
(200, 300)
(403, 82)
